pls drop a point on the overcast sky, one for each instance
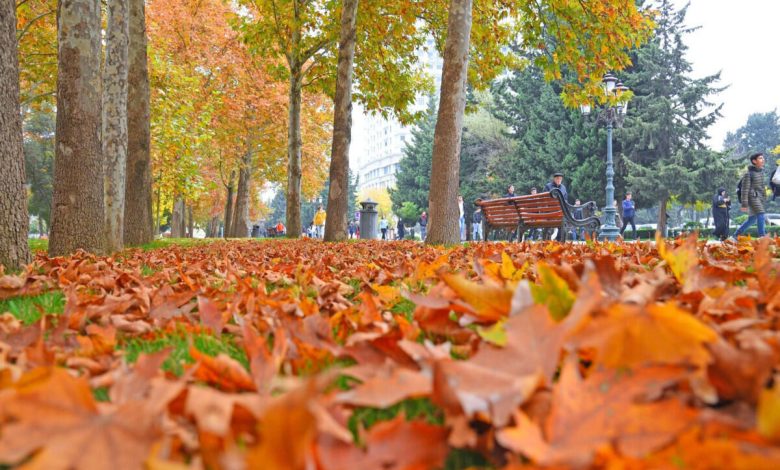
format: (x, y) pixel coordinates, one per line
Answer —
(739, 38)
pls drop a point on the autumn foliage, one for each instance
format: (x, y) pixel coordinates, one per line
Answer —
(392, 355)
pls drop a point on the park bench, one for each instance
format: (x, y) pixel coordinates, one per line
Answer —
(536, 211)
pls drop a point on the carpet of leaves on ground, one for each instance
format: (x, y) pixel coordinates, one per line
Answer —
(371, 355)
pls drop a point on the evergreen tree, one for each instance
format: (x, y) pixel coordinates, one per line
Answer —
(413, 179)
(353, 195)
(549, 137)
(664, 133)
(761, 133)
(39, 162)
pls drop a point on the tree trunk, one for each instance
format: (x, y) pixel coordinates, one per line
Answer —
(229, 206)
(338, 194)
(213, 228)
(14, 221)
(177, 219)
(138, 190)
(78, 217)
(115, 123)
(240, 227)
(662, 220)
(294, 144)
(443, 227)
(190, 223)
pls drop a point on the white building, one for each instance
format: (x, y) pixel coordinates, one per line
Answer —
(378, 143)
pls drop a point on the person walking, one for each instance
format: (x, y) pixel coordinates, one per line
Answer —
(351, 229)
(752, 195)
(629, 211)
(383, 227)
(476, 224)
(721, 203)
(577, 232)
(401, 229)
(319, 222)
(423, 224)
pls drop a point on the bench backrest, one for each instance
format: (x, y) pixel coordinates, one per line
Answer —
(539, 210)
(500, 212)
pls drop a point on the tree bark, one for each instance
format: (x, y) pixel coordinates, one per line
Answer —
(115, 123)
(78, 217)
(14, 220)
(338, 194)
(229, 206)
(443, 227)
(662, 219)
(177, 219)
(190, 223)
(294, 144)
(138, 227)
(240, 227)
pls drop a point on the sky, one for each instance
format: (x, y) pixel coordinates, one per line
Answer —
(740, 39)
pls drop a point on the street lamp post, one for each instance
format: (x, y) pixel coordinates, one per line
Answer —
(613, 113)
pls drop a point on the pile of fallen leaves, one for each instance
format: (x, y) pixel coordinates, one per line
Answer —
(377, 355)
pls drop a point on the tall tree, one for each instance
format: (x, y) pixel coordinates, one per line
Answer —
(240, 219)
(115, 123)
(138, 223)
(445, 166)
(14, 251)
(336, 222)
(78, 218)
(761, 133)
(663, 137)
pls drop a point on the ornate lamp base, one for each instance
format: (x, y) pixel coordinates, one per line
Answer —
(609, 231)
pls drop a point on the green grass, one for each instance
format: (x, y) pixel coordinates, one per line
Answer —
(404, 307)
(413, 408)
(30, 309)
(166, 242)
(462, 459)
(179, 341)
(37, 245)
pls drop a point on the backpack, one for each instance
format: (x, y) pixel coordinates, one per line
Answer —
(739, 189)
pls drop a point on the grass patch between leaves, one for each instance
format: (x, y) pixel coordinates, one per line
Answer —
(179, 341)
(413, 409)
(30, 309)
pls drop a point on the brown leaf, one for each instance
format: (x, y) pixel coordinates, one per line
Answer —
(56, 414)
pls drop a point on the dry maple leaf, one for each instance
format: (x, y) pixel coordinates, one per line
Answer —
(602, 409)
(629, 335)
(54, 414)
(385, 386)
(390, 445)
(223, 371)
(489, 301)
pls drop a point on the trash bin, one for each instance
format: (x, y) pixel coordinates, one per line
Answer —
(368, 220)
(255, 231)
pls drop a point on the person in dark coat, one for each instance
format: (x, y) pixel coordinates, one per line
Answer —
(401, 229)
(557, 183)
(721, 203)
(752, 197)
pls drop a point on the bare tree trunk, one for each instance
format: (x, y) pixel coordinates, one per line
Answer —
(443, 200)
(177, 219)
(14, 221)
(240, 227)
(294, 144)
(159, 215)
(139, 226)
(212, 231)
(115, 123)
(190, 223)
(662, 219)
(338, 194)
(229, 206)
(78, 218)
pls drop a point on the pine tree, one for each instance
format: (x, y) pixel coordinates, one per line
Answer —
(549, 137)
(663, 137)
